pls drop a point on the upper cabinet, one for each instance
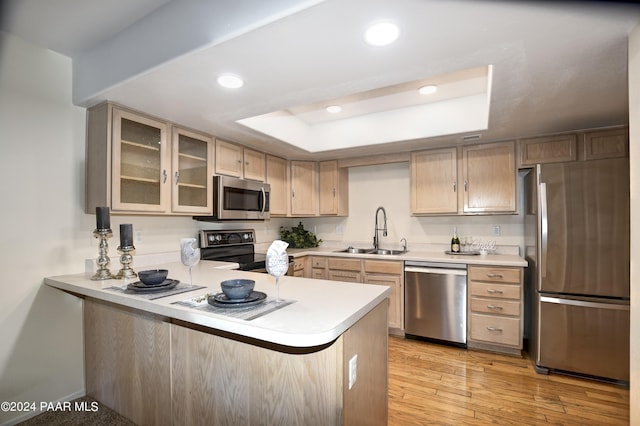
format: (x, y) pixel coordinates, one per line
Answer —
(434, 182)
(489, 178)
(479, 179)
(580, 146)
(278, 178)
(304, 188)
(135, 165)
(333, 193)
(191, 179)
(548, 149)
(235, 160)
(606, 144)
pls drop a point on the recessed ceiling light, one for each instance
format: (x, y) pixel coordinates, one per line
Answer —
(334, 109)
(381, 34)
(428, 90)
(230, 81)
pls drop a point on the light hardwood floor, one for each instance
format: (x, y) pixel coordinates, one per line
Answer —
(432, 384)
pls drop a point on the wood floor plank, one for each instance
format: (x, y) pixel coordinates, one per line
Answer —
(432, 384)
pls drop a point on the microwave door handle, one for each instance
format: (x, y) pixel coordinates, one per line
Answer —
(264, 200)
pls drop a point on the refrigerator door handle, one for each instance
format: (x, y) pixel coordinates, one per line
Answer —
(544, 228)
(585, 304)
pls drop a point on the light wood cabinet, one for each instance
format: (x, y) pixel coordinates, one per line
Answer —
(238, 161)
(333, 193)
(341, 269)
(606, 144)
(367, 271)
(319, 268)
(137, 164)
(277, 176)
(229, 159)
(489, 178)
(254, 165)
(304, 184)
(479, 179)
(299, 267)
(434, 182)
(389, 273)
(548, 149)
(191, 178)
(496, 310)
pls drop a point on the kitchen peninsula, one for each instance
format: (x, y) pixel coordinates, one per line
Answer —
(161, 362)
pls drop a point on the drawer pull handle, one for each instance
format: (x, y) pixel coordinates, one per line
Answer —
(494, 291)
(494, 275)
(494, 307)
(490, 328)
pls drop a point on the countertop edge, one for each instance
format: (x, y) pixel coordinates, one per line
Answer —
(80, 284)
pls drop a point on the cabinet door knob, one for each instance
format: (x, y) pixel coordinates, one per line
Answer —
(177, 176)
(164, 175)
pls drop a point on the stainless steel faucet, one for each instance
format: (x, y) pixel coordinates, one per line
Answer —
(376, 239)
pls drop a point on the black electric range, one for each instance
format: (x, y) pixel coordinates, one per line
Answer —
(232, 246)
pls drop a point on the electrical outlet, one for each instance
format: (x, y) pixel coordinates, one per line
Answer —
(339, 229)
(353, 367)
(496, 230)
(138, 237)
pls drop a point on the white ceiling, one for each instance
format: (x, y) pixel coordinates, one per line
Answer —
(556, 66)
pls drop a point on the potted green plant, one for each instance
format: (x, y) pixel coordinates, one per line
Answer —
(298, 237)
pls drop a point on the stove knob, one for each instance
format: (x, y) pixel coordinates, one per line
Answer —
(245, 237)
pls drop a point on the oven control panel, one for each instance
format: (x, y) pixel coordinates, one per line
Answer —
(216, 238)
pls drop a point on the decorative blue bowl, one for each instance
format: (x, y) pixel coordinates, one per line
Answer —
(237, 289)
(153, 276)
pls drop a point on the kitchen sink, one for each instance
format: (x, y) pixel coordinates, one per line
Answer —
(388, 252)
(354, 250)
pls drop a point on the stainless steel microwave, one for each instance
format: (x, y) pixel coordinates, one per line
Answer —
(238, 199)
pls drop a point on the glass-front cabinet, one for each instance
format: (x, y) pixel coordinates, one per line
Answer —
(139, 171)
(139, 164)
(191, 179)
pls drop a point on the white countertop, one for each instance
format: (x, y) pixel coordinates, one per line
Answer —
(426, 256)
(322, 311)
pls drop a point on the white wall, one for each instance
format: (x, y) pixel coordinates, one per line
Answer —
(634, 154)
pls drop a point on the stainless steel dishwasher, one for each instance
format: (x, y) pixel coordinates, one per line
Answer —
(435, 301)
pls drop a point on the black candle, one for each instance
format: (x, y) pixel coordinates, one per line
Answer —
(126, 235)
(102, 218)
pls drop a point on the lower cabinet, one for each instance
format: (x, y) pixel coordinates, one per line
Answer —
(495, 308)
(367, 271)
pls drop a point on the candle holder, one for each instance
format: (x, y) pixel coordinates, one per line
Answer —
(103, 260)
(125, 259)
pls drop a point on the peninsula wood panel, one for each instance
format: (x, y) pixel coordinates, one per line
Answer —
(220, 381)
(366, 403)
(127, 362)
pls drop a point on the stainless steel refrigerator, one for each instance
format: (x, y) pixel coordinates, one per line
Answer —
(577, 240)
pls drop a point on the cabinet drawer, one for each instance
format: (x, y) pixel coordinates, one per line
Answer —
(501, 291)
(499, 275)
(345, 264)
(495, 306)
(318, 262)
(298, 264)
(494, 329)
(383, 267)
(349, 276)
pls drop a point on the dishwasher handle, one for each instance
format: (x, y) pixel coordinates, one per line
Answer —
(439, 271)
